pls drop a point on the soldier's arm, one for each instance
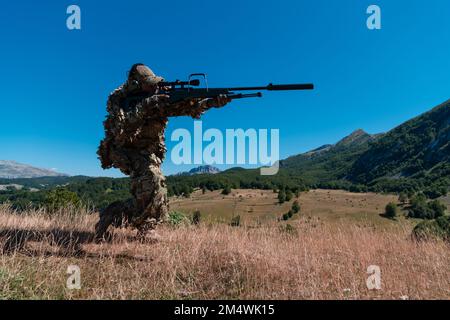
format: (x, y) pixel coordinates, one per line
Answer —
(159, 106)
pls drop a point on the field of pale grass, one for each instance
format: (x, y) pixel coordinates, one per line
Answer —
(313, 260)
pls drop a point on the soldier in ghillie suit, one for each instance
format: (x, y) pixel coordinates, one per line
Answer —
(134, 143)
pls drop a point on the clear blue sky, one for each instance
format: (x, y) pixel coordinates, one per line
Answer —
(55, 82)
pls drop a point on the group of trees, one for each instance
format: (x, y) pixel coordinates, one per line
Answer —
(286, 194)
(433, 229)
(295, 209)
(96, 193)
(236, 178)
(423, 209)
(419, 206)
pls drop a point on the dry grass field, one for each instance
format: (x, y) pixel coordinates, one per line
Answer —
(324, 255)
(258, 207)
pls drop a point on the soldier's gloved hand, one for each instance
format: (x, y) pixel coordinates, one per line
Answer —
(161, 97)
(158, 98)
(219, 101)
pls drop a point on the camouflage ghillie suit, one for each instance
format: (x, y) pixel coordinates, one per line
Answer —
(134, 143)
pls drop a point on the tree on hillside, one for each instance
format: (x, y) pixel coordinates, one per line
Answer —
(186, 191)
(226, 191)
(289, 195)
(438, 208)
(418, 199)
(403, 198)
(391, 210)
(281, 196)
(296, 207)
(61, 198)
(290, 213)
(422, 210)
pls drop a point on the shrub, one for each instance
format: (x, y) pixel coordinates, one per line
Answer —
(418, 199)
(435, 192)
(289, 229)
(438, 208)
(285, 217)
(296, 207)
(281, 196)
(177, 218)
(433, 229)
(391, 210)
(403, 198)
(289, 195)
(422, 210)
(226, 191)
(235, 221)
(290, 213)
(196, 217)
(61, 198)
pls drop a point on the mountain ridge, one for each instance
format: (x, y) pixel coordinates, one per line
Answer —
(206, 169)
(10, 169)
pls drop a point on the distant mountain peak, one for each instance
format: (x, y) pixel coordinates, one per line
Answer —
(10, 169)
(358, 133)
(206, 169)
(356, 137)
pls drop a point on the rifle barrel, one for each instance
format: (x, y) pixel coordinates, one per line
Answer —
(280, 87)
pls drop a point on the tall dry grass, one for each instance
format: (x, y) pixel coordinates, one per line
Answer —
(315, 261)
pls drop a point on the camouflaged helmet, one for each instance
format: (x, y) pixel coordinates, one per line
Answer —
(141, 73)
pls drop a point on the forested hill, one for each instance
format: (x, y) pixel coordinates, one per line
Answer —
(330, 162)
(416, 149)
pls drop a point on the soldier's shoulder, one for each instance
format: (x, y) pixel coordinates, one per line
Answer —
(120, 91)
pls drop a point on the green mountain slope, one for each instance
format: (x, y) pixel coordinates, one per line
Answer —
(413, 149)
(330, 162)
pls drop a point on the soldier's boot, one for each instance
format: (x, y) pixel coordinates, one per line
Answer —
(146, 230)
(155, 214)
